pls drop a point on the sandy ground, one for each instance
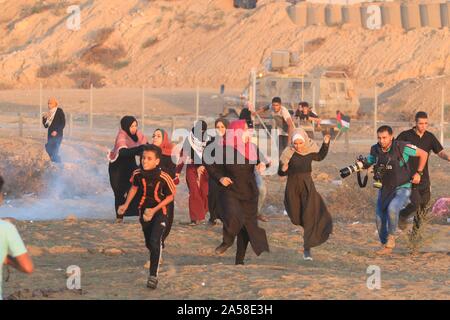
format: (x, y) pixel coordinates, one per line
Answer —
(112, 257)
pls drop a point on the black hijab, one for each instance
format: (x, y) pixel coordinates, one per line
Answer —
(125, 124)
(199, 130)
(247, 116)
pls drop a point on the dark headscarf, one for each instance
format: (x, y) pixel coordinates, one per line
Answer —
(199, 130)
(125, 124)
(247, 116)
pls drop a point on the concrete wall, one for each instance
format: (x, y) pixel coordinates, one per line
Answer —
(410, 15)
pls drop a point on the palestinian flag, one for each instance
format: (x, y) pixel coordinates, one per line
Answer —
(343, 122)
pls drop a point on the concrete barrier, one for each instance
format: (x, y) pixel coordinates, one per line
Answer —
(410, 16)
(431, 15)
(352, 15)
(445, 14)
(316, 15)
(333, 15)
(391, 14)
(298, 14)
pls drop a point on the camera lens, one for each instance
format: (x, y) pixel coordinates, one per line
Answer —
(345, 172)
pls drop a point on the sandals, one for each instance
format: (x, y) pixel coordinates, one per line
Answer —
(152, 282)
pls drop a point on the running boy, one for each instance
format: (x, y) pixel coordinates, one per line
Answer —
(158, 190)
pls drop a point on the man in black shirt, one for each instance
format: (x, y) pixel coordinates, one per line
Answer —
(304, 113)
(425, 140)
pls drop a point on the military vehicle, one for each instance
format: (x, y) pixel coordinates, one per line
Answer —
(325, 90)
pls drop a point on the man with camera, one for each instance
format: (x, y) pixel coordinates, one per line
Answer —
(421, 193)
(392, 175)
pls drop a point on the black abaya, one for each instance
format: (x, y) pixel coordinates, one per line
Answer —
(303, 203)
(239, 203)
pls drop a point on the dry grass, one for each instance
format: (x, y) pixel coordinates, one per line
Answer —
(121, 64)
(84, 78)
(314, 44)
(100, 36)
(48, 70)
(150, 42)
(107, 57)
(418, 237)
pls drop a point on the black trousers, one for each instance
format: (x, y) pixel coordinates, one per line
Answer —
(153, 233)
(283, 142)
(52, 148)
(420, 197)
(213, 200)
(170, 217)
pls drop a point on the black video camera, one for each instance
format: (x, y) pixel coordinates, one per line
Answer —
(360, 164)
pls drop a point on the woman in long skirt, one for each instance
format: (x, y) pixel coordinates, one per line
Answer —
(234, 169)
(214, 207)
(196, 174)
(303, 203)
(122, 163)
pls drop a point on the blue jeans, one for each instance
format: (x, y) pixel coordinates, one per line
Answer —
(387, 220)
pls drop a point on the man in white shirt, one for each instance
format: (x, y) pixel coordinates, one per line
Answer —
(283, 122)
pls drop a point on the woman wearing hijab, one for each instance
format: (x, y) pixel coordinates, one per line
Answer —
(303, 203)
(262, 188)
(196, 174)
(221, 126)
(161, 139)
(238, 196)
(122, 162)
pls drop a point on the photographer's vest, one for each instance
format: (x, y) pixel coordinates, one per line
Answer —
(397, 173)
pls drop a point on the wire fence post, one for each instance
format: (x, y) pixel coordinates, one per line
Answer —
(375, 113)
(40, 106)
(70, 124)
(143, 108)
(442, 115)
(197, 104)
(20, 122)
(173, 126)
(91, 106)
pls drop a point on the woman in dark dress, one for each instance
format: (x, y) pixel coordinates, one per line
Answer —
(214, 207)
(303, 203)
(234, 169)
(122, 163)
(161, 139)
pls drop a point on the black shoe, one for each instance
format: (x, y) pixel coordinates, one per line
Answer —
(152, 282)
(307, 255)
(222, 248)
(239, 262)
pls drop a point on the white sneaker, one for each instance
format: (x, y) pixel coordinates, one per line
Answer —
(285, 213)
